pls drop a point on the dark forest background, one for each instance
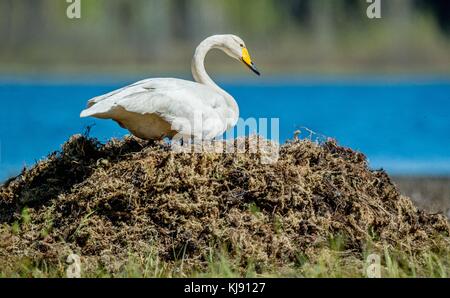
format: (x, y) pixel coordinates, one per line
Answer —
(158, 36)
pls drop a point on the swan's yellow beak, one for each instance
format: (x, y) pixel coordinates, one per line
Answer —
(248, 61)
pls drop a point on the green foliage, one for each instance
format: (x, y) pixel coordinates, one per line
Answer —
(330, 262)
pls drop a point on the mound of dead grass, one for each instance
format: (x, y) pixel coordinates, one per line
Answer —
(105, 202)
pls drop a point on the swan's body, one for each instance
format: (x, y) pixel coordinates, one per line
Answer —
(164, 107)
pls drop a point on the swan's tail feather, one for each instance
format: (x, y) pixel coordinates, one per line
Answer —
(86, 113)
(98, 110)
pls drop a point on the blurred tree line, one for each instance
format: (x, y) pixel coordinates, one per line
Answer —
(304, 35)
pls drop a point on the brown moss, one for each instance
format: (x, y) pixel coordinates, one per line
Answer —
(105, 201)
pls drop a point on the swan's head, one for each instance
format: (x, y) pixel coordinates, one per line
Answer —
(235, 47)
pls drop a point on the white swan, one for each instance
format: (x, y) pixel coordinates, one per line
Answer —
(164, 107)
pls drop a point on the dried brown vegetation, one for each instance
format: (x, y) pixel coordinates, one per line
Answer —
(107, 201)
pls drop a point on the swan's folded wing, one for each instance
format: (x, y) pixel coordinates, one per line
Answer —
(182, 108)
(116, 93)
(190, 108)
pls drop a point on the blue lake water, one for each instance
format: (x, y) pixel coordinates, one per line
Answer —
(403, 127)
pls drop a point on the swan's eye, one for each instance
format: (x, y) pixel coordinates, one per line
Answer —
(242, 45)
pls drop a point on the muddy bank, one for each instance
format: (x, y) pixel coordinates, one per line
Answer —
(105, 202)
(429, 193)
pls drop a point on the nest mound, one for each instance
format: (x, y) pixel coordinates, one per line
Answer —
(131, 196)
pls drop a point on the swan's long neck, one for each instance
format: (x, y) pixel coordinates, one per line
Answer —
(201, 76)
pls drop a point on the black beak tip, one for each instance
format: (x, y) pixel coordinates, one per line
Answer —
(254, 69)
